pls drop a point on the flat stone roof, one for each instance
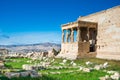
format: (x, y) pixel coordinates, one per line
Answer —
(79, 24)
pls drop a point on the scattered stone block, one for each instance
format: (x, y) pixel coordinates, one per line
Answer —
(24, 74)
(1, 64)
(98, 67)
(86, 69)
(115, 76)
(64, 61)
(74, 64)
(34, 74)
(88, 63)
(105, 65)
(12, 74)
(27, 67)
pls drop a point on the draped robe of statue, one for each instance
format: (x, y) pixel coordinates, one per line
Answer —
(67, 36)
(78, 35)
(62, 36)
(72, 35)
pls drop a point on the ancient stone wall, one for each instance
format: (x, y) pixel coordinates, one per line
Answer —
(108, 35)
(69, 50)
(70, 47)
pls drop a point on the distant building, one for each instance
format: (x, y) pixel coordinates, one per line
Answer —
(97, 35)
(3, 52)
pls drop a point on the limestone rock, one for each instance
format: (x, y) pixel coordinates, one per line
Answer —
(106, 77)
(98, 67)
(81, 68)
(115, 76)
(52, 53)
(27, 67)
(1, 64)
(74, 64)
(12, 74)
(105, 65)
(34, 73)
(111, 72)
(102, 78)
(86, 69)
(64, 61)
(88, 63)
(24, 74)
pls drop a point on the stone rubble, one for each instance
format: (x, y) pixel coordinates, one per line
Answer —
(111, 72)
(88, 63)
(1, 64)
(115, 76)
(98, 67)
(106, 77)
(105, 65)
(86, 70)
(33, 67)
(101, 66)
(30, 73)
(46, 63)
(74, 64)
(52, 53)
(64, 61)
(33, 55)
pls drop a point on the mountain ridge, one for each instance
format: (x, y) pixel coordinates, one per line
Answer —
(37, 47)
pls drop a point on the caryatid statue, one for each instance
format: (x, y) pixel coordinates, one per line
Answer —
(72, 35)
(67, 35)
(78, 34)
(62, 35)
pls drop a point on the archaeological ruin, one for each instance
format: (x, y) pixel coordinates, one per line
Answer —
(95, 35)
(3, 52)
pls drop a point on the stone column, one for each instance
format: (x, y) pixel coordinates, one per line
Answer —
(67, 35)
(63, 36)
(88, 33)
(72, 35)
(78, 35)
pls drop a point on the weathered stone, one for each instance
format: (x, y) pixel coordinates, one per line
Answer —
(102, 78)
(24, 74)
(111, 72)
(71, 62)
(98, 67)
(115, 76)
(105, 78)
(88, 63)
(74, 64)
(64, 61)
(34, 74)
(52, 53)
(99, 35)
(45, 64)
(105, 65)
(12, 74)
(27, 67)
(86, 69)
(1, 64)
(81, 68)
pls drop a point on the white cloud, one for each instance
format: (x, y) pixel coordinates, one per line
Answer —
(3, 35)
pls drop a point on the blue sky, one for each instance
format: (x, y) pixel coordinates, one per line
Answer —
(36, 21)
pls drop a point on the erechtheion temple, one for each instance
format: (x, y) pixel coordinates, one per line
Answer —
(95, 35)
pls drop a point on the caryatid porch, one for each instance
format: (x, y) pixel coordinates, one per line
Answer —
(78, 39)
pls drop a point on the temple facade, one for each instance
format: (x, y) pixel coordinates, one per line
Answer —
(95, 35)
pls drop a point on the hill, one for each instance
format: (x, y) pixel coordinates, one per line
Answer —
(31, 47)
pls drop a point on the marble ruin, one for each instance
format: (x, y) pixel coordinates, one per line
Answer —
(3, 52)
(95, 35)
